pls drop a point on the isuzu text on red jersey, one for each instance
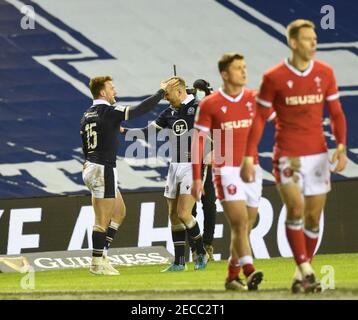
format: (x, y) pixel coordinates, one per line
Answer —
(298, 99)
(229, 120)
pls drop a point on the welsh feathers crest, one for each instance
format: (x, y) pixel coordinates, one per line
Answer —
(224, 109)
(290, 84)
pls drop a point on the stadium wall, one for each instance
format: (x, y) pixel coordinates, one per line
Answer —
(65, 223)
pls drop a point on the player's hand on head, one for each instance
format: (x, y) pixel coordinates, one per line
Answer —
(340, 156)
(163, 85)
(247, 172)
(168, 84)
(197, 189)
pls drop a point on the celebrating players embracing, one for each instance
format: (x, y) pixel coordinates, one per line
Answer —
(99, 128)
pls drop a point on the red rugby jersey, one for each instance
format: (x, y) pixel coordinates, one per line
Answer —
(298, 99)
(228, 120)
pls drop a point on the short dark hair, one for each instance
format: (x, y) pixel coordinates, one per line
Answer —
(96, 84)
(227, 58)
(294, 28)
(202, 85)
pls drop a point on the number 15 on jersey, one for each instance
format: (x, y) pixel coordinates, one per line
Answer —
(91, 135)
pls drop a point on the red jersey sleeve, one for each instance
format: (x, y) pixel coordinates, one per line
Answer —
(266, 93)
(203, 117)
(332, 89)
(338, 121)
(203, 122)
(255, 133)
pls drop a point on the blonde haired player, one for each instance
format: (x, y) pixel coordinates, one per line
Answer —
(178, 118)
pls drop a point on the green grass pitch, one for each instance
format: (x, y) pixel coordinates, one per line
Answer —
(146, 282)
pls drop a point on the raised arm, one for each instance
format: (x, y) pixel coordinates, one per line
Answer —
(145, 106)
(151, 102)
(151, 128)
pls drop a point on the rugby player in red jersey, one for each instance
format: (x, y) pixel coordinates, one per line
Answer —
(298, 89)
(227, 115)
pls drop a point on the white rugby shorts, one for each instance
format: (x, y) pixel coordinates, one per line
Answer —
(179, 179)
(311, 173)
(230, 187)
(101, 180)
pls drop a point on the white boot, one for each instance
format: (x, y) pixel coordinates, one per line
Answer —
(98, 267)
(108, 267)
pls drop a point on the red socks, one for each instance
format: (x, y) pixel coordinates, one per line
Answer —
(233, 268)
(247, 263)
(235, 265)
(296, 239)
(311, 239)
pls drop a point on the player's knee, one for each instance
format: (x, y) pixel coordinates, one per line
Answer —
(182, 214)
(294, 211)
(239, 226)
(239, 231)
(99, 228)
(103, 220)
(312, 220)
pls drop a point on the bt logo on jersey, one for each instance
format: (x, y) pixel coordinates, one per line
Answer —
(180, 127)
(302, 100)
(236, 124)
